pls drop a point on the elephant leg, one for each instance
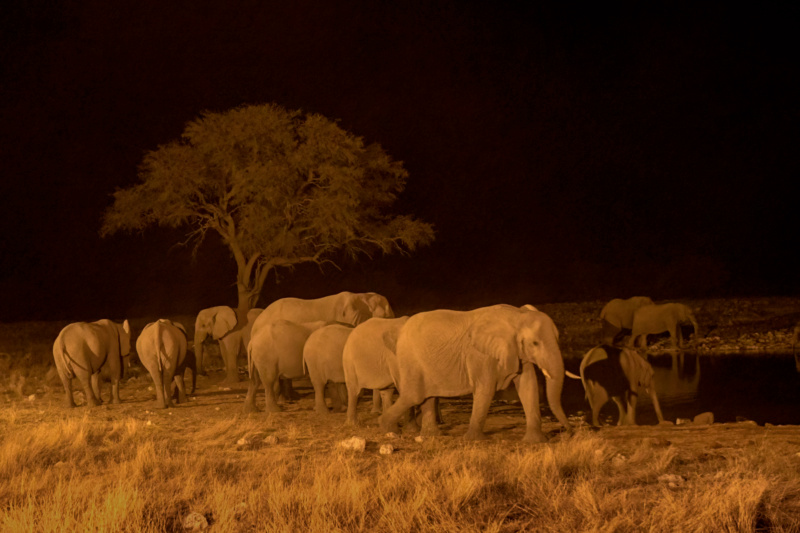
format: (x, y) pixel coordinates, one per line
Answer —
(429, 426)
(410, 425)
(69, 401)
(91, 400)
(623, 411)
(388, 420)
(386, 398)
(180, 388)
(338, 397)
(376, 401)
(158, 384)
(598, 396)
(481, 399)
(528, 390)
(252, 389)
(115, 391)
(632, 398)
(270, 378)
(229, 350)
(353, 391)
(287, 390)
(168, 374)
(319, 396)
(95, 380)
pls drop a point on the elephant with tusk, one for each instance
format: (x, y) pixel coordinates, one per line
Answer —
(447, 353)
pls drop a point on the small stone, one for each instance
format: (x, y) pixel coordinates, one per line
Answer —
(271, 440)
(682, 422)
(31, 397)
(619, 460)
(353, 443)
(672, 480)
(226, 388)
(392, 435)
(386, 449)
(195, 522)
(241, 442)
(61, 464)
(216, 408)
(149, 388)
(704, 419)
(419, 438)
(149, 423)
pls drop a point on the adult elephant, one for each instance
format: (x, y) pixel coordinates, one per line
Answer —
(617, 317)
(221, 324)
(654, 319)
(322, 357)
(453, 353)
(611, 372)
(276, 351)
(162, 348)
(369, 360)
(83, 349)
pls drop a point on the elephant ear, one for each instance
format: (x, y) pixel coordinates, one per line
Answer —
(224, 321)
(497, 339)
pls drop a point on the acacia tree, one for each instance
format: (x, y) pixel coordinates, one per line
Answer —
(280, 187)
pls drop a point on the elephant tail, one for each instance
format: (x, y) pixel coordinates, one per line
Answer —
(61, 351)
(161, 351)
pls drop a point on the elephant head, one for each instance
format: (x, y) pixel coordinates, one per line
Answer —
(353, 308)
(515, 336)
(215, 322)
(378, 305)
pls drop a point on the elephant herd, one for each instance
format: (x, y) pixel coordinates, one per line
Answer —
(354, 341)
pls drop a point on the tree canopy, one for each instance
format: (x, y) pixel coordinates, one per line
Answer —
(280, 187)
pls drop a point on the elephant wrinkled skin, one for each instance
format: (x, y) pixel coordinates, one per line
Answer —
(322, 357)
(453, 353)
(162, 347)
(617, 317)
(83, 349)
(654, 319)
(610, 372)
(369, 361)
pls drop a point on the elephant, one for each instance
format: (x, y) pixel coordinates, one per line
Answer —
(617, 317)
(83, 349)
(222, 324)
(653, 319)
(617, 373)
(162, 347)
(276, 350)
(378, 305)
(453, 353)
(322, 357)
(369, 361)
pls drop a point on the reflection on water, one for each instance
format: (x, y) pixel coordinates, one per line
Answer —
(763, 388)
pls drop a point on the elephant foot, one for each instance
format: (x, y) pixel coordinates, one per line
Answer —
(91, 402)
(340, 409)
(386, 425)
(432, 431)
(69, 403)
(351, 422)
(321, 410)
(475, 434)
(535, 436)
(411, 427)
(116, 401)
(274, 408)
(250, 408)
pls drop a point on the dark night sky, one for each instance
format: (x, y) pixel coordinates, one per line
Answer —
(561, 154)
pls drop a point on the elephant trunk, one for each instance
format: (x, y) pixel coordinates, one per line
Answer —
(656, 405)
(554, 381)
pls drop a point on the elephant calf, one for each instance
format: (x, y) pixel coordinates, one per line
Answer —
(162, 349)
(609, 372)
(322, 356)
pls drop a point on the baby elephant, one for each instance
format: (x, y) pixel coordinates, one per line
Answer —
(162, 350)
(609, 372)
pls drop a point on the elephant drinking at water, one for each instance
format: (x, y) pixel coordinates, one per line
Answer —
(453, 353)
(654, 319)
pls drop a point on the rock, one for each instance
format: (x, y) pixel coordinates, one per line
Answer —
(148, 423)
(419, 438)
(353, 443)
(195, 522)
(392, 435)
(241, 442)
(271, 440)
(682, 422)
(672, 480)
(32, 397)
(704, 419)
(387, 449)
